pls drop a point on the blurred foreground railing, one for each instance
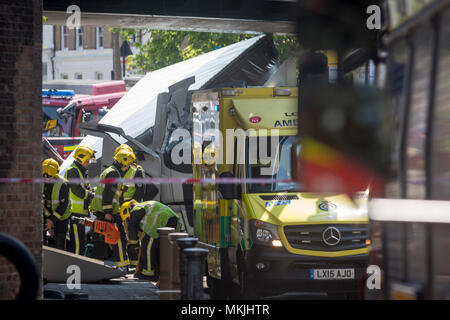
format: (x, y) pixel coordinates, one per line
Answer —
(19, 255)
(182, 266)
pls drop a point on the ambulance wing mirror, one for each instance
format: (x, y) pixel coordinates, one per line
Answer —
(229, 191)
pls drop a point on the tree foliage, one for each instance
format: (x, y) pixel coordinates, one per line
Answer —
(168, 47)
(287, 46)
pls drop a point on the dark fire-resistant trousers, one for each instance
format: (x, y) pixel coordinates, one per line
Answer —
(149, 259)
(59, 235)
(101, 250)
(77, 236)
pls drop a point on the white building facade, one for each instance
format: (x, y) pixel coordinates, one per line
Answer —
(79, 54)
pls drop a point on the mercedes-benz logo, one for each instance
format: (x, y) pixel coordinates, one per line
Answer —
(331, 236)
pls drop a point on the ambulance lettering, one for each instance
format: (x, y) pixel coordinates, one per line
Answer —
(286, 123)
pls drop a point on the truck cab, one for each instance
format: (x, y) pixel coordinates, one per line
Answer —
(91, 108)
(264, 232)
(65, 134)
(53, 99)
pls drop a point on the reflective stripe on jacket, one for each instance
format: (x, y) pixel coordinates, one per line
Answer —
(77, 203)
(131, 187)
(54, 202)
(97, 202)
(156, 216)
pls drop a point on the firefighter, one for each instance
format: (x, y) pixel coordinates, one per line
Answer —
(140, 191)
(130, 190)
(80, 197)
(56, 203)
(106, 206)
(147, 217)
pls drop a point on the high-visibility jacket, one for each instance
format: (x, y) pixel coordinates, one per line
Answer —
(54, 202)
(130, 186)
(97, 202)
(77, 203)
(156, 216)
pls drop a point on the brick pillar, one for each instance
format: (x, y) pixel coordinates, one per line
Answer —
(20, 130)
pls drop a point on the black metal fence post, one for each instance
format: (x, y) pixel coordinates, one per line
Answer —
(196, 261)
(184, 243)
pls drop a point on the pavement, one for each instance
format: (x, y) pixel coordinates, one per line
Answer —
(124, 288)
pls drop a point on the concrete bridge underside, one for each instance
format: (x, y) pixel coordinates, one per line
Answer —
(243, 16)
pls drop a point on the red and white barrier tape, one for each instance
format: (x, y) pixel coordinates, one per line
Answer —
(149, 180)
(64, 138)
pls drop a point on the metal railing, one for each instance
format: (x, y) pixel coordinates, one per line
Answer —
(182, 266)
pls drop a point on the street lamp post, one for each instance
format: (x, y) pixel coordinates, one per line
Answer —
(125, 51)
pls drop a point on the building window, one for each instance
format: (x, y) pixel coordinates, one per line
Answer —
(78, 76)
(100, 37)
(64, 38)
(79, 38)
(98, 76)
(64, 76)
(136, 37)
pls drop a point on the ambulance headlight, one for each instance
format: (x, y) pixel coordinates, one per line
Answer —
(264, 233)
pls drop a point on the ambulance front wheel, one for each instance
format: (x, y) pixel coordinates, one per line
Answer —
(248, 289)
(219, 289)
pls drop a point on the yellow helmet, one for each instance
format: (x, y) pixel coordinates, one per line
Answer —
(123, 146)
(50, 167)
(125, 157)
(83, 153)
(125, 209)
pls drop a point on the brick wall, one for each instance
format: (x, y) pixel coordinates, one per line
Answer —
(20, 129)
